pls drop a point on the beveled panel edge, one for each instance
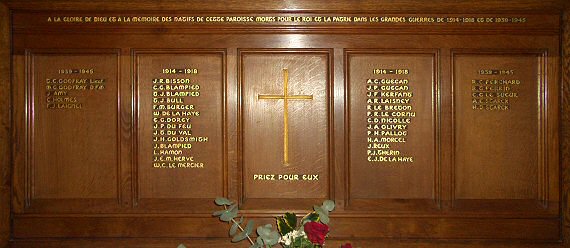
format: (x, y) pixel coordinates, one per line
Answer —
(433, 229)
(542, 120)
(298, 5)
(135, 52)
(5, 127)
(332, 242)
(436, 113)
(565, 126)
(329, 52)
(29, 95)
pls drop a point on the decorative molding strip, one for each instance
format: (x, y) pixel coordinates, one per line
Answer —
(565, 125)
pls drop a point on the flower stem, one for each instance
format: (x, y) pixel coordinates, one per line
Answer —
(240, 228)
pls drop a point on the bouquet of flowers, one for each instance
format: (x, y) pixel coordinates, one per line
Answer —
(310, 232)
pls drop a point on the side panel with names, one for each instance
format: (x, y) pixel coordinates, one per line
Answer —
(499, 138)
(74, 130)
(181, 148)
(391, 128)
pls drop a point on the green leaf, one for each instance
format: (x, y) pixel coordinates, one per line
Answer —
(272, 239)
(233, 229)
(249, 227)
(228, 216)
(181, 246)
(232, 207)
(323, 214)
(291, 219)
(235, 226)
(267, 235)
(230, 213)
(264, 230)
(259, 241)
(283, 227)
(218, 213)
(325, 219)
(287, 223)
(220, 201)
(328, 205)
(311, 217)
(303, 242)
(321, 211)
(243, 235)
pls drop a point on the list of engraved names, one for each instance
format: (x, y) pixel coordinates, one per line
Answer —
(172, 116)
(65, 92)
(389, 113)
(495, 92)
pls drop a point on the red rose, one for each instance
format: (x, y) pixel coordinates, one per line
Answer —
(316, 232)
(347, 245)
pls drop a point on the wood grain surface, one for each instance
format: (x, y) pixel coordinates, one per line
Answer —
(264, 128)
(419, 177)
(167, 186)
(5, 123)
(517, 203)
(565, 125)
(223, 242)
(436, 6)
(85, 163)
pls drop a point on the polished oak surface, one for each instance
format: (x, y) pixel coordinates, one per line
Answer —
(436, 6)
(405, 169)
(195, 170)
(5, 119)
(459, 187)
(285, 159)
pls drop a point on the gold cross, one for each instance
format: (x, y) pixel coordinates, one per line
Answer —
(285, 97)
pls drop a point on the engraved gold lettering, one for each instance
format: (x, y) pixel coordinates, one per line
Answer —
(493, 94)
(389, 112)
(172, 117)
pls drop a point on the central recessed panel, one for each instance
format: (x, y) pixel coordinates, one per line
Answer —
(285, 124)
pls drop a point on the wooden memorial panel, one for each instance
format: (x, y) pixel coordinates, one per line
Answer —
(181, 121)
(285, 115)
(392, 110)
(391, 129)
(499, 129)
(73, 130)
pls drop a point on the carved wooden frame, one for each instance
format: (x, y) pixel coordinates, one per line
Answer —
(408, 5)
(26, 194)
(136, 101)
(545, 116)
(435, 116)
(329, 53)
(565, 125)
(5, 127)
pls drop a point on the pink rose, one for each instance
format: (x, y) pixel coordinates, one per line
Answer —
(316, 232)
(347, 245)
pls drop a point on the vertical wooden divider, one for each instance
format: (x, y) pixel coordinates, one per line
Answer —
(565, 124)
(5, 123)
